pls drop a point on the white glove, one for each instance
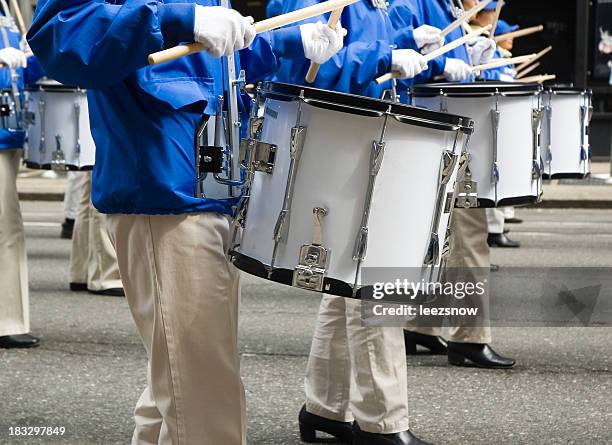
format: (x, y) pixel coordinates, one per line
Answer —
(320, 42)
(506, 78)
(456, 70)
(481, 50)
(221, 30)
(13, 58)
(407, 63)
(428, 38)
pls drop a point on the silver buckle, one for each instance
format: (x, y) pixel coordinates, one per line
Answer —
(310, 272)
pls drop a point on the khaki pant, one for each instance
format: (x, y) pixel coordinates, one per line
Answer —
(356, 372)
(469, 249)
(14, 304)
(72, 194)
(184, 295)
(92, 259)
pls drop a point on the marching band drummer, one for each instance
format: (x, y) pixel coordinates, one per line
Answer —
(171, 244)
(14, 295)
(469, 248)
(356, 373)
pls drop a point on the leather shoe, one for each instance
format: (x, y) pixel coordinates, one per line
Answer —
(19, 341)
(435, 344)
(501, 240)
(479, 354)
(361, 437)
(112, 292)
(78, 287)
(311, 423)
(67, 228)
(494, 267)
(513, 220)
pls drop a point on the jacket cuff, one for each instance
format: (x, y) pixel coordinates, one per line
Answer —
(385, 63)
(176, 22)
(287, 42)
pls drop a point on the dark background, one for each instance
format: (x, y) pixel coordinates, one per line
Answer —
(572, 28)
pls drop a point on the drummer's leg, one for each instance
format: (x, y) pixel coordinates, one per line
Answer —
(378, 361)
(80, 235)
(328, 370)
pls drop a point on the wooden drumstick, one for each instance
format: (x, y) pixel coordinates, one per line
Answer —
(333, 21)
(537, 79)
(518, 33)
(262, 26)
(527, 70)
(538, 56)
(440, 51)
(465, 17)
(496, 63)
(20, 22)
(498, 8)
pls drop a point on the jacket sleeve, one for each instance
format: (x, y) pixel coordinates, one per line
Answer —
(95, 44)
(404, 22)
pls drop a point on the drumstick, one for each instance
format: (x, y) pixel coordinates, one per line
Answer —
(334, 18)
(440, 51)
(465, 17)
(264, 25)
(500, 3)
(537, 79)
(527, 70)
(538, 56)
(519, 33)
(496, 63)
(20, 22)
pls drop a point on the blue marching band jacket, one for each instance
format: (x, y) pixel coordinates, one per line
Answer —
(143, 118)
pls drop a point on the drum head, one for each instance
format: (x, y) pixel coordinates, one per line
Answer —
(476, 89)
(365, 106)
(565, 89)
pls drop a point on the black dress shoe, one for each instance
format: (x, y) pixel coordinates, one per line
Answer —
(67, 228)
(112, 292)
(361, 437)
(435, 344)
(494, 267)
(78, 287)
(19, 341)
(501, 240)
(311, 423)
(481, 355)
(513, 220)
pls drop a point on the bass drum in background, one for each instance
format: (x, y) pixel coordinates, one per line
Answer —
(565, 133)
(59, 136)
(505, 162)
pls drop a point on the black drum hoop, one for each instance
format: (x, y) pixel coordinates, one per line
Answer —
(476, 89)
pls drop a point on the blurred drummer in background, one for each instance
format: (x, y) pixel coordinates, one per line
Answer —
(14, 295)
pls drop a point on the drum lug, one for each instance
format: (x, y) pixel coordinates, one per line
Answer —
(77, 120)
(42, 106)
(495, 117)
(312, 264)
(536, 119)
(467, 190)
(261, 155)
(58, 160)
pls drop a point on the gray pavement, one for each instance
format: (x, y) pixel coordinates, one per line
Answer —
(89, 371)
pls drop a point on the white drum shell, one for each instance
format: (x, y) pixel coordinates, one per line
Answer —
(60, 119)
(515, 145)
(563, 133)
(333, 173)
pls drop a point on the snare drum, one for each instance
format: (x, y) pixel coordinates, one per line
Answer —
(565, 132)
(338, 182)
(505, 165)
(59, 136)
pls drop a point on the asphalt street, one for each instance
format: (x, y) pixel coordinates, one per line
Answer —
(90, 368)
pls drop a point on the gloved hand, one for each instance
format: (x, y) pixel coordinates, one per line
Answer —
(456, 70)
(481, 50)
(13, 58)
(428, 38)
(221, 30)
(320, 42)
(506, 78)
(407, 63)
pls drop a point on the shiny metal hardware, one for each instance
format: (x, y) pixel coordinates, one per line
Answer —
(6, 109)
(495, 117)
(467, 189)
(42, 107)
(583, 129)
(77, 117)
(443, 101)
(298, 137)
(536, 166)
(257, 155)
(312, 264)
(549, 155)
(58, 160)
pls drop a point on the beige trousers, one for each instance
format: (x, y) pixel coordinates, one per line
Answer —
(184, 296)
(14, 299)
(469, 248)
(92, 259)
(356, 372)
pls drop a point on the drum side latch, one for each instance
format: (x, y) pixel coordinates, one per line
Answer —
(467, 190)
(261, 155)
(310, 272)
(58, 160)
